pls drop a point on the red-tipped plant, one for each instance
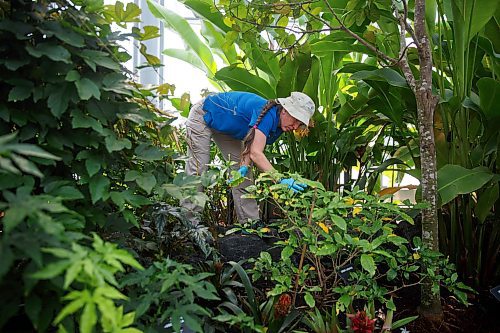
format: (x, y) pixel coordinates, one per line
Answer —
(360, 323)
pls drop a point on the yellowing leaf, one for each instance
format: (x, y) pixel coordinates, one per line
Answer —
(312, 268)
(356, 211)
(265, 229)
(229, 21)
(416, 255)
(323, 226)
(349, 201)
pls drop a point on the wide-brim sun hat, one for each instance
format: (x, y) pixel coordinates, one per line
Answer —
(299, 105)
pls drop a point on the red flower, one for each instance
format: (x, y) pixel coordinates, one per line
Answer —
(282, 306)
(360, 323)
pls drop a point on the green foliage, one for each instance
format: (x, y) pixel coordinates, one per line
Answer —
(81, 150)
(333, 232)
(89, 279)
(169, 292)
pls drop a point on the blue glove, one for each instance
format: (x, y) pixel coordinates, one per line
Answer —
(296, 187)
(243, 170)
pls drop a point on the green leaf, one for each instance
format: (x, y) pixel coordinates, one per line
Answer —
(455, 179)
(149, 153)
(146, 181)
(486, 202)
(322, 48)
(93, 165)
(20, 92)
(242, 80)
(72, 76)
(87, 88)
(402, 322)
(150, 32)
(339, 221)
(72, 307)
(183, 28)
(187, 56)
(368, 264)
(489, 97)
(115, 144)
(26, 165)
(311, 302)
(50, 50)
(287, 252)
(58, 100)
(51, 270)
(384, 74)
(88, 318)
(99, 187)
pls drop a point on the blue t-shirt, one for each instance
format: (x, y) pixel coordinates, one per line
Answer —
(234, 113)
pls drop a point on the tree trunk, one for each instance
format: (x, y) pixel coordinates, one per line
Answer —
(430, 305)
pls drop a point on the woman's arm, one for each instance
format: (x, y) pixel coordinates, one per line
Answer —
(257, 153)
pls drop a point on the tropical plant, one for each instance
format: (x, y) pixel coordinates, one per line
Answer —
(82, 150)
(345, 249)
(168, 292)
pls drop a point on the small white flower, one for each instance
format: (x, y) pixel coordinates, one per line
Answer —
(404, 330)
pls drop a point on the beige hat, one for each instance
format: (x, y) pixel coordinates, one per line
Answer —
(299, 105)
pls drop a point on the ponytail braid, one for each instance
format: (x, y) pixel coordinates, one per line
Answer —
(248, 140)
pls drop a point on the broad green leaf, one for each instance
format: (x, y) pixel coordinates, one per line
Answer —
(20, 92)
(98, 187)
(384, 74)
(183, 28)
(489, 97)
(240, 79)
(486, 201)
(368, 264)
(32, 150)
(216, 40)
(325, 48)
(115, 144)
(50, 50)
(87, 88)
(62, 32)
(93, 165)
(455, 179)
(149, 153)
(339, 221)
(310, 301)
(474, 14)
(146, 181)
(58, 100)
(206, 9)
(187, 56)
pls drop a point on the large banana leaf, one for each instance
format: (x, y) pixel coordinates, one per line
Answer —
(384, 74)
(218, 43)
(206, 10)
(325, 47)
(454, 180)
(238, 78)
(183, 28)
(472, 14)
(489, 97)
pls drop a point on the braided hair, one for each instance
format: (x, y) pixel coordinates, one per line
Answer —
(248, 140)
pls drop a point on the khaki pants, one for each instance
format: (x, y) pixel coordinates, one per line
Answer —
(199, 139)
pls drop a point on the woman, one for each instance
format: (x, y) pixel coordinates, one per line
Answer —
(241, 124)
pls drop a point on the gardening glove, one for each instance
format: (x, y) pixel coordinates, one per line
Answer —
(296, 187)
(243, 170)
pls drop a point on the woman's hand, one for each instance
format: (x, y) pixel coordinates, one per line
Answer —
(296, 187)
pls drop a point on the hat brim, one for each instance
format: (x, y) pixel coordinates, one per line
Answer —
(293, 110)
